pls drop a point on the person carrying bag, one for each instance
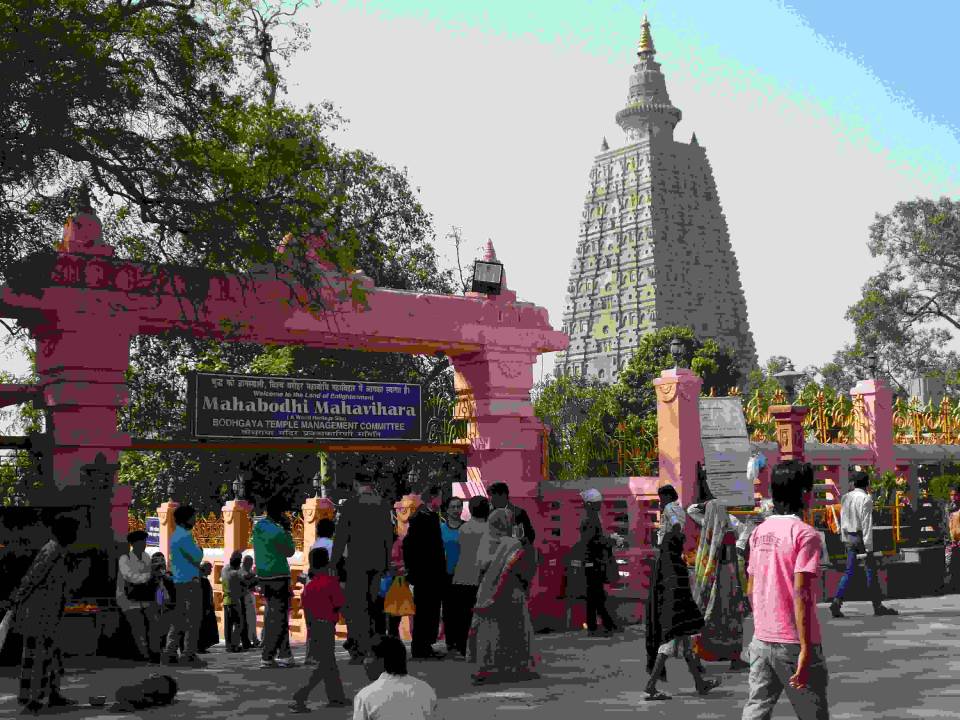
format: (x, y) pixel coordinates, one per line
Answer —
(399, 599)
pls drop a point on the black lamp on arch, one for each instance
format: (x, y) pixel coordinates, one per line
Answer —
(676, 351)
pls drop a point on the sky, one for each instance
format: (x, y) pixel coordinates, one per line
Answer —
(815, 116)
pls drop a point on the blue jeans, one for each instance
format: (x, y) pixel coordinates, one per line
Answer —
(771, 667)
(855, 546)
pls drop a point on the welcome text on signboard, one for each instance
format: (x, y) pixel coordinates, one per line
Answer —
(243, 406)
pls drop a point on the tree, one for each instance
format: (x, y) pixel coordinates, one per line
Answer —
(716, 365)
(909, 311)
(172, 111)
(152, 104)
(583, 415)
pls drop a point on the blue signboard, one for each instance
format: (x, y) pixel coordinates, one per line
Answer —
(153, 531)
(253, 407)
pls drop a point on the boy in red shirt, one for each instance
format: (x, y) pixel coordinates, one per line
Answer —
(786, 654)
(321, 601)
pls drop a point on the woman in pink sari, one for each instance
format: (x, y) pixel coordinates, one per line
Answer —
(502, 630)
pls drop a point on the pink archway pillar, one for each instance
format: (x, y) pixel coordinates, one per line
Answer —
(82, 354)
(873, 425)
(678, 430)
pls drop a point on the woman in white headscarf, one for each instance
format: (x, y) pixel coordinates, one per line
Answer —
(501, 620)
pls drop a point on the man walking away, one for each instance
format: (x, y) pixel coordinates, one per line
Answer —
(394, 694)
(232, 604)
(364, 534)
(321, 601)
(272, 545)
(856, 524)
(426, 567)
(786, 653)
(38, 606)
(136, 594)
(522, 527)
(185, 559)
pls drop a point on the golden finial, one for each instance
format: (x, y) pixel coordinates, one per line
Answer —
(646, 39)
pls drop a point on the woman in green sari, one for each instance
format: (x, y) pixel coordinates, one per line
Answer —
(717, 589)
(502, 630)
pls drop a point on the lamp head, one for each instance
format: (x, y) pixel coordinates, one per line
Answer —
(676, 349)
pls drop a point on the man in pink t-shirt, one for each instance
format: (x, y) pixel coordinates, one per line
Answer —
(784, 565)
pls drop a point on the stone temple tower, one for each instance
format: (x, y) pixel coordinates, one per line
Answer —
(654, 249)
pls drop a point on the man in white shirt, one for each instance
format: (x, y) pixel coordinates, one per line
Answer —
(394, 695)
(142, 615)
(856, 525)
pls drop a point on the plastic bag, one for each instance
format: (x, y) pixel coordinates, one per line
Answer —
(399, 599)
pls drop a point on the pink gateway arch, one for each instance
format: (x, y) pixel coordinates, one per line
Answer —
(83, 306)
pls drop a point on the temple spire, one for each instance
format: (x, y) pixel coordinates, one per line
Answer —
(693, 140)
(604, 146)
(649, 112)
(646, 40)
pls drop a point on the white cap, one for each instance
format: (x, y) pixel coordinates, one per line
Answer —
(591, 495)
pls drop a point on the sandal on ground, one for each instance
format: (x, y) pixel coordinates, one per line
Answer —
(657, 695)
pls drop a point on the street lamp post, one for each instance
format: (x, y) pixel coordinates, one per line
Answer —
(787, 379)
(240, 485)
(676, 350)
(789, 418)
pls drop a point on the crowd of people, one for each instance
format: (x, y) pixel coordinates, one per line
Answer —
(474, 577)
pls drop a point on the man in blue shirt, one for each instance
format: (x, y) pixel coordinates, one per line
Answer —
(185, 559)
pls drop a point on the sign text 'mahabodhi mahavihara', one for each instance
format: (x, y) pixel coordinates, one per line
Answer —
(254, 407)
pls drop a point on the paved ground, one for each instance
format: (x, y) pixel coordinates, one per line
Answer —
(896, 668)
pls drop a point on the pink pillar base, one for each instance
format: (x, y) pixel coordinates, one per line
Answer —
(120, 511)
(167, 525)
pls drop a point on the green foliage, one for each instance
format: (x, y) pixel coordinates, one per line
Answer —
(582, 419)
(274, 360)
(596, 427)
(939, 486)
(883, 487)
(634, 387)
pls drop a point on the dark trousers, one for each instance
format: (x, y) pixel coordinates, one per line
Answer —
(855, 546)
(597, 600)
(428, 599)
(457, 615)
(233, 625)
(248, 630)
(361, 591)
(322, 639)
(385, 624)
(276, 621)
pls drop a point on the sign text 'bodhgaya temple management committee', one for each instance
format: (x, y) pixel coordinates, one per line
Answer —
(250, 407)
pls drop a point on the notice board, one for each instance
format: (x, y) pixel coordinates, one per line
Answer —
(726, 450)
(251, 407)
